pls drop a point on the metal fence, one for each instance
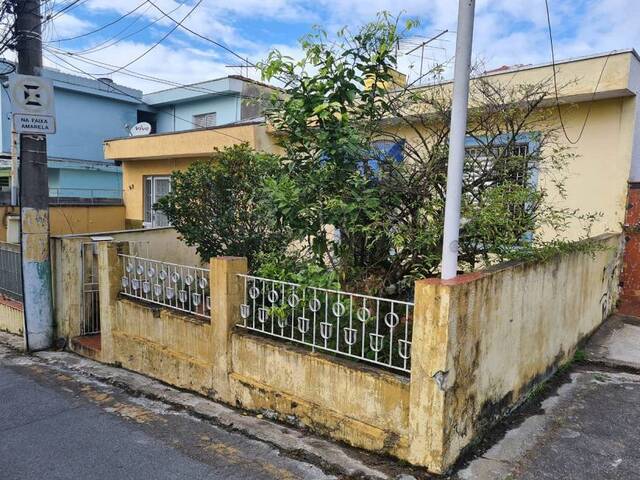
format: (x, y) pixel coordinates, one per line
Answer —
(84, 195)
(10, 271)
(179, 287)
(366, 328)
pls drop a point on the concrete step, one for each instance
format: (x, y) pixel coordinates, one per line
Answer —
(616, 344)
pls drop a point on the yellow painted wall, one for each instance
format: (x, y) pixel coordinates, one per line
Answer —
(11, 316)
(494, 336)
(191, 143)
(72, 219)
(365, 407)
(596, 178)
(164, 344)
(598, 169)
(163, 153)
(133, 173)
(480, 344)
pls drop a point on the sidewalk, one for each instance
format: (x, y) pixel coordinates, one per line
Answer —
(258, 447)
(585, 426)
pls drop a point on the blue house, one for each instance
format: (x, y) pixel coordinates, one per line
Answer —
(216, 102)
(87, 112)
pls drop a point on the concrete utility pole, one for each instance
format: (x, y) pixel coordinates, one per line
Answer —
(462, 71)
(14, 167)
(34, 193)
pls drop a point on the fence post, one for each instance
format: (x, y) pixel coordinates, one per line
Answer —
(109, 278)
(67, 271)
(226, 296)
(429, 375)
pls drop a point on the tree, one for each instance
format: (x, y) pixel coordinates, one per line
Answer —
(388, 210)
(218, 205)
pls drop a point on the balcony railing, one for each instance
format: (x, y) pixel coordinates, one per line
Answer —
(84, 195)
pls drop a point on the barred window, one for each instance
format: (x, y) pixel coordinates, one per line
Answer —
(481, 169)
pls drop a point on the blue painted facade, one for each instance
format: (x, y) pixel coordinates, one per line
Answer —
(232, 99)
(87, 113)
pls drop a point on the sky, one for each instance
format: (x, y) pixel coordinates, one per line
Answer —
(507, 32)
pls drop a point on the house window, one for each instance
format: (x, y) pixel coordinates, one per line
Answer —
(155, 187)
(205, 120)
(386, 150)
(480, 170)
(5, 183)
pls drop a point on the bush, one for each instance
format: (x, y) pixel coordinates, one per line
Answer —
(220, 206)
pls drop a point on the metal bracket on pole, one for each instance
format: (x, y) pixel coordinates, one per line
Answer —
(462, 71)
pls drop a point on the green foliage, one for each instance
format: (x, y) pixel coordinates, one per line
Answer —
(377, 223)
(336, 211)
(219, 206)
(291, 268)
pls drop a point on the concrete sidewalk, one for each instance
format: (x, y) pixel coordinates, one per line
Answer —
(74, 418)
(585, 426)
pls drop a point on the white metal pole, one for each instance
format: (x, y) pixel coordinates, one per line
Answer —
(462, 70)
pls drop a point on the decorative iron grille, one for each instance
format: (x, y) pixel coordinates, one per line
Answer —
(370, 329)
(179, 287)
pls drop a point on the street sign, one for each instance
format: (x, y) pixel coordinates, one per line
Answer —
(32, 104)
(142, 128)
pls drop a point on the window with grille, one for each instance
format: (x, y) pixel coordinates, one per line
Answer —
(155, 187)
(205, 120)
(482, 170)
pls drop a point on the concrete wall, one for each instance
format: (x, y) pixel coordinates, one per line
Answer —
(74, 219)
(226, 107)
(362, 406)
(163, 344)
(162, 244)
(11, 316)
(483, 341)
(480, 344)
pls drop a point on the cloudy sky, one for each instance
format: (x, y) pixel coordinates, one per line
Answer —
(114, 33)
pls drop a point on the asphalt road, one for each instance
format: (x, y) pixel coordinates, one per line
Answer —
(53, 426)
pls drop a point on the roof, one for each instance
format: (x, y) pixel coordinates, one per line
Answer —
(90, 86)
(229, 85)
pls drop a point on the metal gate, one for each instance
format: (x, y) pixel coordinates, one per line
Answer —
(90, 324)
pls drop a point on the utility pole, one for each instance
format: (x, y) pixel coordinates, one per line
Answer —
(462, 71)
(34, 193)
(14, 166)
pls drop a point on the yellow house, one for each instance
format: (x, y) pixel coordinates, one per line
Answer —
(147, 162)
(607, 156)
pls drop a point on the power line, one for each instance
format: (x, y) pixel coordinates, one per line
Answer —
(203, 37)
(164, 37)
(111, 85)
(103, 45)
(106, 25)
(143, 76)
(555, 84)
